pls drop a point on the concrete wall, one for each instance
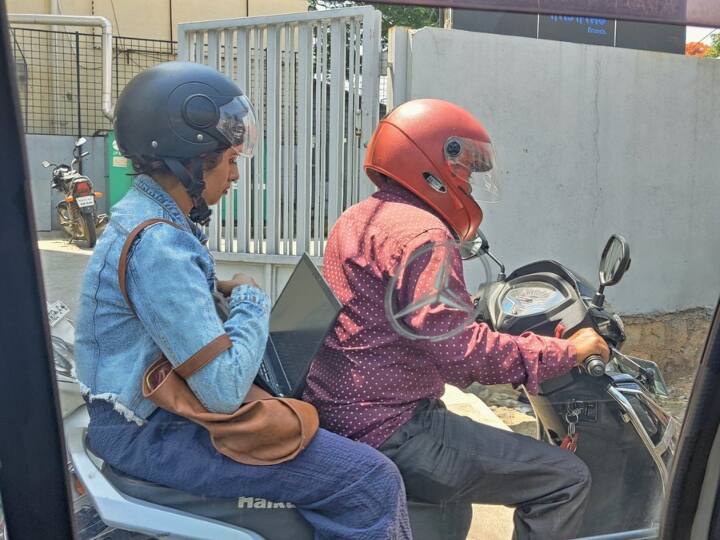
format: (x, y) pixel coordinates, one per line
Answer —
(152, 19)
(590, 141)
(58, 149)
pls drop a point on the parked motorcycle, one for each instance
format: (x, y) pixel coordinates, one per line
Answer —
(77, 211)
(609, 412)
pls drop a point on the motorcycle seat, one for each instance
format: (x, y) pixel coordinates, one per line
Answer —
(281, 520)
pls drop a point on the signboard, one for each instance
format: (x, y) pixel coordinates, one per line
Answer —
(650, 36)
(495, 22)
(589, 30)
(576, 29)
(681, 12)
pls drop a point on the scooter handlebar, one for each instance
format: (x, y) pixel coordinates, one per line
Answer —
(594, 365)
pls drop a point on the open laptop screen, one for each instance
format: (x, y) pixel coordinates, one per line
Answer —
(300, 319)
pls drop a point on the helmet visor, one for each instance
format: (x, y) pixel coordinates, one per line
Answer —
(237, 125)
(474, 162)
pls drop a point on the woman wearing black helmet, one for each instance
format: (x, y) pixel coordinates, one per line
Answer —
(184, 125)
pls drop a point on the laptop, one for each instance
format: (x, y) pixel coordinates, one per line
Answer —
(300, 319)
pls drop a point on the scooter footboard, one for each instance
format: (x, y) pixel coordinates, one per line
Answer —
(627, 485)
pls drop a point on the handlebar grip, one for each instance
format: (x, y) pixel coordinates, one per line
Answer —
(594, 365)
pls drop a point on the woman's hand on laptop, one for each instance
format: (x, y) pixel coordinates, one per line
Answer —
(225, 286)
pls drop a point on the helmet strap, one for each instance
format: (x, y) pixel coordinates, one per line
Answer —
(194, 185)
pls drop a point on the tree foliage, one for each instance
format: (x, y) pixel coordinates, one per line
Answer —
(696, 48)
(714, 50)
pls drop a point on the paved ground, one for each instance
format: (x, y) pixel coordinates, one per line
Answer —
(489, 522)
(63, 265)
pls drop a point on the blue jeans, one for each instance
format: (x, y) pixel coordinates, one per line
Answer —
(344, 489)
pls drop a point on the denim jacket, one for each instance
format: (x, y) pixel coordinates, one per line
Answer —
(170, 279)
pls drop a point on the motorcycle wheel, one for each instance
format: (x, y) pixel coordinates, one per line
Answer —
(89, 232)
(65, 219)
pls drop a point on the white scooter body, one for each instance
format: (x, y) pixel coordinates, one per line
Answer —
(114, 508)
(105, 506)
(62, 334)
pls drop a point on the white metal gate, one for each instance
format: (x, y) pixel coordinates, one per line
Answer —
(314, 81)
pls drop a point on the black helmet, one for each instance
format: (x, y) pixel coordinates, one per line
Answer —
(176, 113)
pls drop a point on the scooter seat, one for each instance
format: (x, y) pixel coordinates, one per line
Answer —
(281, 521)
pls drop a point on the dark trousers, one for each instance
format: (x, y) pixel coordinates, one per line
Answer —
(444, 457)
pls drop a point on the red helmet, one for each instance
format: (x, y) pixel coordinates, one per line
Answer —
(442, 154)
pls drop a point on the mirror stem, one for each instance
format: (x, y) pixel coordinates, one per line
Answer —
(501, 273)
(599, 298)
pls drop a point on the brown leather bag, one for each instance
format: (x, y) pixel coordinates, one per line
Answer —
(265, 430)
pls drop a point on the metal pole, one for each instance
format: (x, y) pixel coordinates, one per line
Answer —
(370, 75)
(77, 82)
(398, 46)
(117, 67)
(171, 19)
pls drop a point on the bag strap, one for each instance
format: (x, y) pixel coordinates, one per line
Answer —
(207, 353)
(122, 263)
(204, 356)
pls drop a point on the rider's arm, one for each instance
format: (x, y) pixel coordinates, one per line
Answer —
(168, 281)
(477, 353)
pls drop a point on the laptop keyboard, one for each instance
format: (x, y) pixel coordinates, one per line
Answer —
(268, 376)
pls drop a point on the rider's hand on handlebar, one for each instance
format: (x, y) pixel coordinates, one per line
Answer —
(587, 342)
(225, 286)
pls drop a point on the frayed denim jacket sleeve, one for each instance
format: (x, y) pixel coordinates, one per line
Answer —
(168, 285)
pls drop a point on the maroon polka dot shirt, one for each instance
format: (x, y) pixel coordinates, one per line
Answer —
(367, 379)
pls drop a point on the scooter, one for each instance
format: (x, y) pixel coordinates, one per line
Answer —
(62, 337)
(608, 413)
(111, 505)
(77, 213)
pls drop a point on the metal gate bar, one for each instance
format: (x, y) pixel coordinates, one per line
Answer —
(314, 81)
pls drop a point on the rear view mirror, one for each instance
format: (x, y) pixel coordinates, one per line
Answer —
(615, 260)
(45, 163)
(80, 141)
(614, 263)
(479, 245)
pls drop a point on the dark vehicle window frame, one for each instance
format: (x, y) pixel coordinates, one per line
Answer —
(33, 470)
